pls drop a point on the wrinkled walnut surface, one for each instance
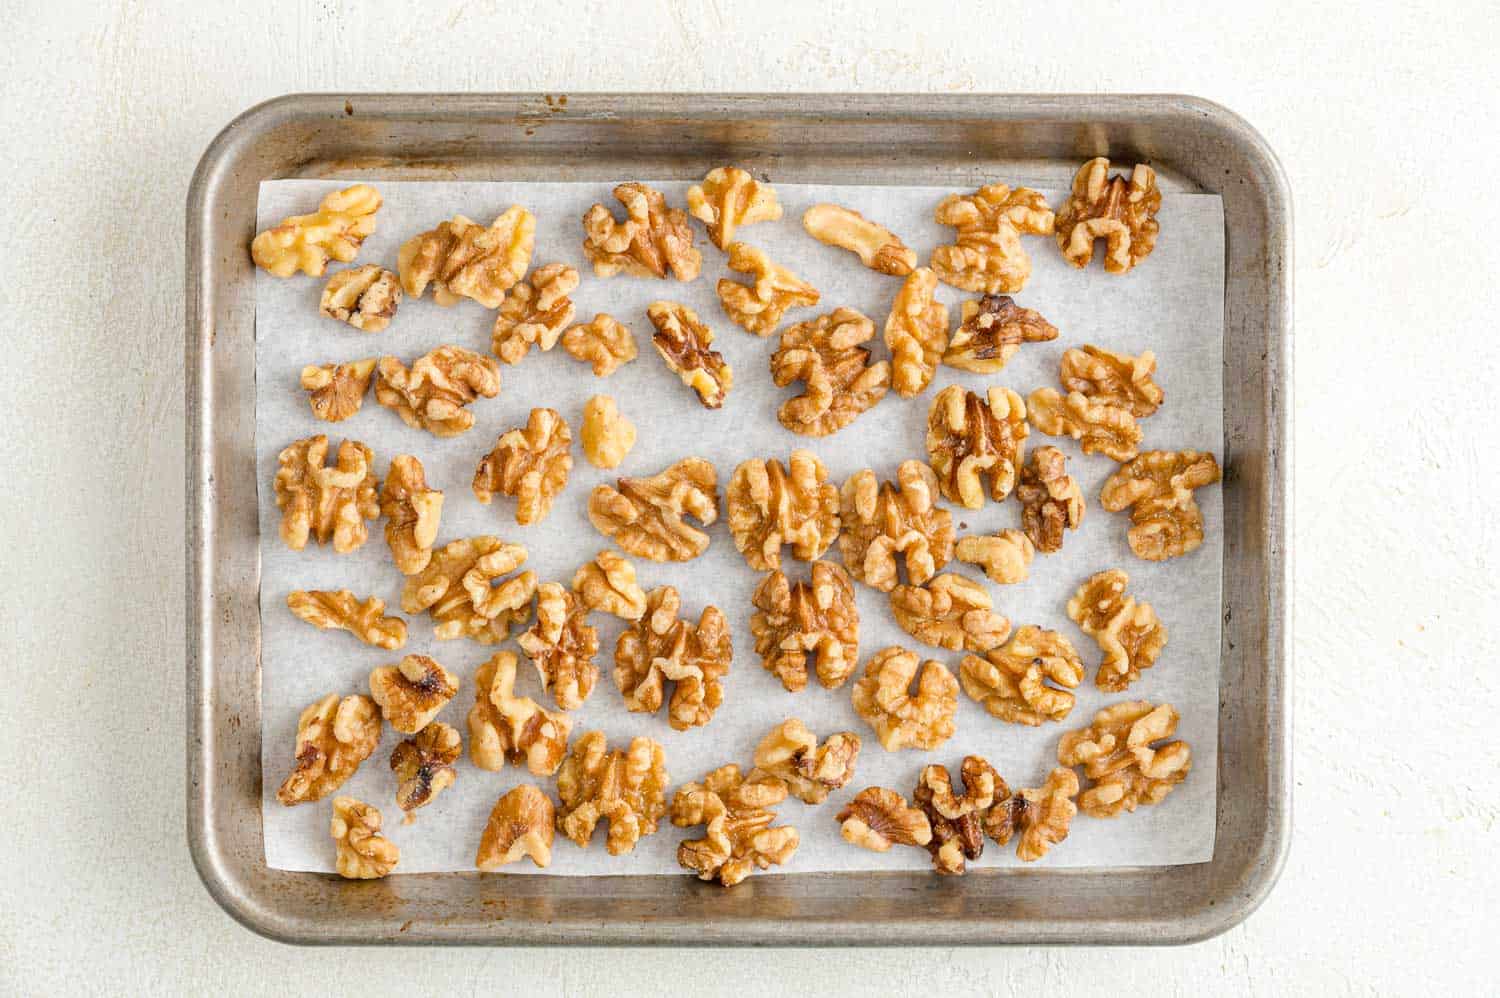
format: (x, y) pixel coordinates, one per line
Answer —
(1099, 428)
(342, 610)
(608, 584)
(949, 611)
(362, 852)
(462, 259)
(645, 515)
(531, 463)
(683, 342)
(652, 241)
(827, 355)
(986, 254)
(957, 820)
(969, 438)
(1121, 212)
(606, 435)
(916, 333)
(336, 391)
(1051, 500)
(412, 513)
(880, 520)
(660, 647)
(771, 506)
(728, 198)
(1116, 753)
(626, 788)
(333, 737)
(737, 814)
(878, 818)
(1040, 816)
(1113, 378)
(327, 504)
(901, 718)
(423, 765)
(791, 754)
(562, 645)
(456, 589)
(307, 242)
(434, 393)
(759, 306)
(1158, 486)
(411, 694)
(603, 343)
(520, 825)
(877, 247)
(990, 331)
(1128, 633)
(807, 626)
(1011, 682)
(534, 313)
(505, 728)
(1005, 557)
(365, 297)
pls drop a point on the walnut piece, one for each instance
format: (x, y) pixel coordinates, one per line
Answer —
(1116, 753)
(602, 342)
(990, 331)
(900, 718)
(462, 259)
(562, 645)
(363, 853)
(423, 765)
(1116, 379)
(456, 590)
(1121, 213)
(729, 198)
(880, 521)
(531, 464)
(645, 515)
(1158, 485)
(607, 584)
(791, 754)
(957, 820)
(1011, 681)
(771, 505)
(336, 391)
(1128, 633)
(333, 737)
(683, 342)
(986, 254)
(969, 436)
(660, 647)
(535, 313)
(1099, 428)
(506, 728)
(606, 435)
(877, 819)
(825, 353)
(652, 240)
(1051, 500)
(341, 609)
(1005, 557)
(759, 307)
(520, 824)
(629, 789)
(1042, 815)
(307, 242)
(818, 619)
(411, 694)
(412, 512)
(877, 247)
(951, 612)
(326, 504)
(365, 297)
(736, 813)
(916, 333)
(434, 393)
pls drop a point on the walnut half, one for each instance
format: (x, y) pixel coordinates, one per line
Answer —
(916, 333)
(411, 694)
(1011, 681)
(363, 853)
(1116, 379)
(462, 259)
(877, 247)
(728, 198)
(434, 393)
(877, 819)
(770, 506)
(333, 737)
(660, 647)
(326, 503)
(626, 788)
(817, 620)
(534, 313)
(737, 815)
(1041, 816)
(342, 610)
(520, 825)
(969, 437)
(901, 718)
(365, 297)
(758, 307)
(457, 589)
(652, 241)
(608, 584)
(986, 254)
(1051, 500)
(791, 754)
(683, 342)
(1116, 753)
(1100, 428)
(880, 521)
(827, 356)
(307, 242)
(950, 612)
(603, 343)
(1122, 213)
(336, 391)
(645, 515)
(1005, 557)
(991, 330)
(504, 727)
(1129, 633)
(412, 512)
(957, 820)
(530, 463)
(423, 765)
(562, 644)
(1158, 488)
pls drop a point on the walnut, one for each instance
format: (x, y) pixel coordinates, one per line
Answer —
(969, 436)
(333, 737)
(433, 394)
(957, 820)
(363, 853)
(916, 333)
(306, 242)
(520, 824)
(820, 619)
(878, 818)
(412, 512)
(365, 297)
(1115, 752)
(1011, 681)
(1099, 427)
(411, 694)
(645, 515)
(737, 815)
(462, 259)
(1051, 500)
(534, 314)
(880, 521)
(423, 765)
(770, 506)
(660, 647)
(791, 754)
(1129, 633)
(602, 342)
(326, 504)
(607, 436)
(1005, 557)
(629, 789)
(1159, 486)
(562, 644)
(652, 240)
(986, 254)
(1042, 815)
(608, 584)
(1124, 215)
(365, 620)
(336, 391)
(949, 612)
(877, 247)
(455, 589)
(1114, 378)
(531, 464)
(825, 353)
(900, 719)
(759, 307)
(728, 198)
(504, 727)
(683, 342)
(991, 330)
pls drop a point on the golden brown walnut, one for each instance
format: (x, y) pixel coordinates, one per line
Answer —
(530, 463)
(1051, 500)
(602, 342)
(411, 694)
(307, 242)
(326, 504)
(736, 813)
(412, 512)
(520, 824)
(607, 584)
(504, 727)
(986, 253)
(1129, 634)
(771, 505)
(957, 820)
(660, 647)
(1116, 379)
(606, 435)
(916, 333)
(969, 437)
(818, 619)
(562, 644)
(653, 239)
(683, 342)
(900, 718)
(433, 394)
(880, 520)
(423, 765)
(951, 612)
(877, 819)
(336, 391)
(990, 331)
(456, 589)
(462, 259)
(645, 515)
(825, 354)
(626, 788)
(365, 297)
(1122, 213)
(333, 737)
(1099, 428)
(1041, 815)
(791, 754)
(363, 853)
(1005, 557)
(729, 198)
(534, 314)
(877, 247)
(1158, 484)
(1011, 681)
(341, 609)
(1116, 753)
(759, 307)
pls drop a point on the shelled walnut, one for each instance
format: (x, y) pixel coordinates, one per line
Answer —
(1041, 815)
(728, 198)
(900, 718)
(607, 584)
(916, 333)
(307, 242)
(1005, 557)
(342, 610)
(990, 331)
(562, 645)
(660, 647)
(462, 259)
(365, 297)
(535, 313)
(986, 254)
(602, 342)
(949, 611)
(791, 754)
(825, 354)
(771, 506)
(737, 815)
(683, 342)
(456, 589)
(819, 620)
(363, 853)
(758, 307)
(1128, 633)
(336, 391)
(412, 512)
(411, 694)
(645, 515)
(423, 765)
(433, 394)
(957, 819)
(505, 728)
(1115, 379)
(626, 788)
(1011, 681)
(520, 825)
(333, 737)
(880, 521)
(1116, 753)
(1158, 485)
(326, 504)
(1051, 500)
(877, 819)
(653, 239)
(1122, 214)
(877, 247)
(530, 463)
(969, 437)
(1099, 428)
(606, 435)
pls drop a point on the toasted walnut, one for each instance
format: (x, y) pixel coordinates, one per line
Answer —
(737, 815)
(900, 719)
(411, 694)
(1116, 753)
(683, 342)
(820, 619)
(608, 584)
(1101, 206)
(1159, 486)
(562, 644)
(877, 247)
(991, 330)
(363, 853)
(1042, 815)
(456, 590)
(433, 394)
(326, 504)
(825, 353)
(336, 391)
(341, 609)
(969, 436)
(629, 789)
(365, 297)
(531, 464)
(957, 820)
(880, 521)
(877, 819)
(602, 342)
(607, 435)
(791, 754)
(333, 737)
(1051, 500)
(520, 825)
(1114, 378)
(660, 647)
(504, 727)
(770, 506)
(949, 612)
(412, 512)
(986, 254)
(306, 242)
(728, 198)
(916, 332)
(534, 314)
(1099, 428)
(1011, 681)
(423, 765)
(1129, 633)
(1005, 557)
(462, 259)
(652, 240)
(759, 307)
(645, 515)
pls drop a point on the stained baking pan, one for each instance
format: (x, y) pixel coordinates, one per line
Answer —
(964, 141)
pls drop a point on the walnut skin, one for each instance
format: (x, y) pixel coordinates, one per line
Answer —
(462, 259)
(534, 314)
(901, 719)
(737, 815)
(916, 333)
(1129, 633)
(506, 728)
(365, 297)
(411, 694)
(880, 521)
(791, 753)
(957, 821)
(877, 819)
(1005, 557)
(759, 307)
(1051, 500)
(1041, 815)
(877, 247)
(423, 765)
(336, 391)
(1121, 213)
(562, 645)
(606, 435)
(986, 254)
(307, 242)
(342, 610)
(645, 515)
(818, 620)
(652, 240)
(629, 789)
(1011, 681)
(1116, 754)
(949, 612)
(1099, 428)
(1115, 379)
(412, 512)
(531, 464)
(1159, 486)
(660, 647)
(729, 198)
(363, 853)
(968, 437)
(826, 355)
(770, 506)
(333, 737)
(520, 825)
(607, 584)
(433, 394)
(683, 342)
(990, 331)
(602, 342)
(456, 590)
(326, 504)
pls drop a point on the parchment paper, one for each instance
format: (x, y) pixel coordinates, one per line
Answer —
(1171, 304)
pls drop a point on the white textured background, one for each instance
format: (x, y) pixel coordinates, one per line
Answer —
(1383, 119)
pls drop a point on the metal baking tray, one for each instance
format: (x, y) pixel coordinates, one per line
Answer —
(962, 141)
